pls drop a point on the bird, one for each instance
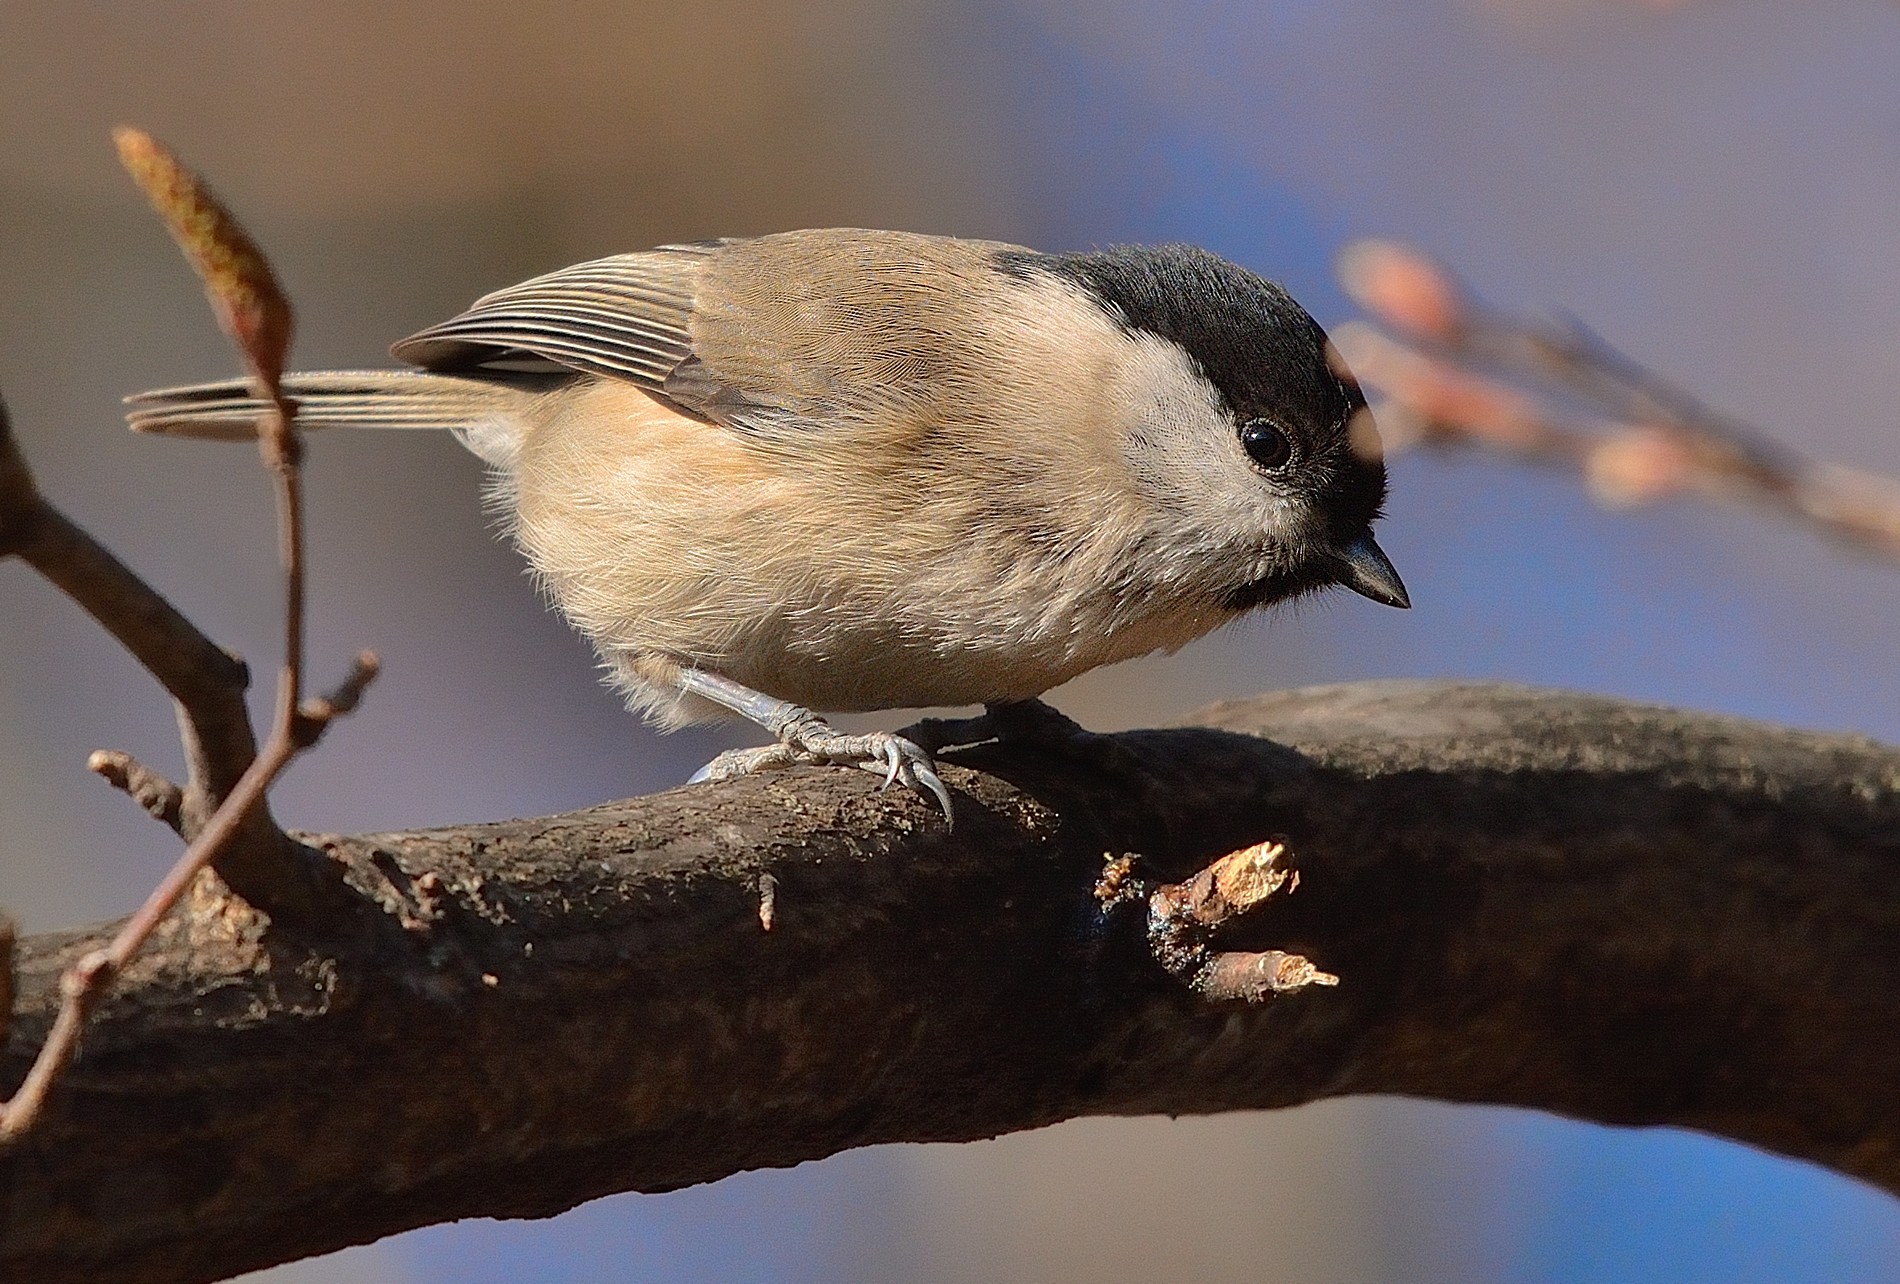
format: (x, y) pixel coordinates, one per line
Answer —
(844, 469)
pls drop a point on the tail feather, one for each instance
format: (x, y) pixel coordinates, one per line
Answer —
(476, 407)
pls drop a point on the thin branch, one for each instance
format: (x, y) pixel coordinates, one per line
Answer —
(1457, 373)
(1606, 910)
(1184, 919)
(162, 799)
(252, 308)
(315, 715)
(207, 681)
(86, 981)
(282, 453)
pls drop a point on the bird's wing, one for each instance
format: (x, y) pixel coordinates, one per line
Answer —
(776, 334)
(625, 317)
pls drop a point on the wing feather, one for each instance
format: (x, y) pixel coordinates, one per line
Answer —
(625, 317)
(831, 331)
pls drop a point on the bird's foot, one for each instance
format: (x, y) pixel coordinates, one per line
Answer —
(810, 740)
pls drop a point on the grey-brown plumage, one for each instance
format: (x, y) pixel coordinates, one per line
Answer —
(863, 470)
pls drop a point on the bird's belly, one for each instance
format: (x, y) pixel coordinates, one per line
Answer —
(854, 665)
(946, 649)
(665, 539)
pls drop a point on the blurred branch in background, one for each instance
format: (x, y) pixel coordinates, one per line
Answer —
(1457, 373)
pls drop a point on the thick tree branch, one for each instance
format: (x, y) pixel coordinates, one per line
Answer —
(1605, 910)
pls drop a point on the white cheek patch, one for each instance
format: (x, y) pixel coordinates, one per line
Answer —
(1184, 447)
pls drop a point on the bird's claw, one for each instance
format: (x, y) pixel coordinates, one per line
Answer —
(903, 762)
(897, 759)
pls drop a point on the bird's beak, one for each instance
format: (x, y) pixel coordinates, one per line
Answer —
(1365, 569)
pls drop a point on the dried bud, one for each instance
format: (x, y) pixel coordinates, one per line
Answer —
(249, 303)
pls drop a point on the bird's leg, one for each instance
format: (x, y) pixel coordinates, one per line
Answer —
(804, 737)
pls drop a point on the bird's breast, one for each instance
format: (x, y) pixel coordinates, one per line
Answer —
(816, 581)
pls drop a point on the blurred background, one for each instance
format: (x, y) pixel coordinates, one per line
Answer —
(1713, 185)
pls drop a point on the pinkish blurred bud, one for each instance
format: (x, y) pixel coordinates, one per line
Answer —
(1404, 289)
(1444, 402)
(1636, 467)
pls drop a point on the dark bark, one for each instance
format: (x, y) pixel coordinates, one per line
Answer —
(1609, 911)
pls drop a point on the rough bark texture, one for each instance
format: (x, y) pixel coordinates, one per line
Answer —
(1610, 911)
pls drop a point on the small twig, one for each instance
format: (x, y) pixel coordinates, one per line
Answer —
(1457, 373)
(157, 795)
(85, 983)
(1255, 978)
(253, 311)
(768, 901)
(316, 714)
(1184, 917)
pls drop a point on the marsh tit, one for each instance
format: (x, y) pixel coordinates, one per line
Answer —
(851, 470)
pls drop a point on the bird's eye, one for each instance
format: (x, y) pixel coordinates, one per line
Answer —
(1267, 445)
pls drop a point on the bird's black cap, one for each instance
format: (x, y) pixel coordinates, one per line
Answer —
(1267, 358)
